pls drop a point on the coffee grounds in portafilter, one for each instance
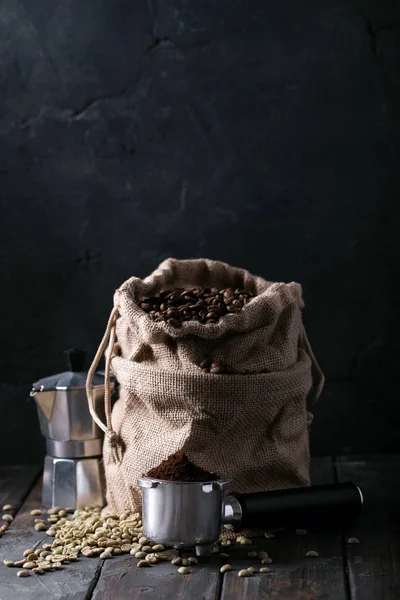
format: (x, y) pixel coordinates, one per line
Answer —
(205, 305)
(177, 467)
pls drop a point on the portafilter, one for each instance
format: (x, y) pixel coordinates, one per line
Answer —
(186, 514)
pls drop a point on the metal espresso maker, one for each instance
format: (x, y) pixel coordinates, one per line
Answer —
(73, 467)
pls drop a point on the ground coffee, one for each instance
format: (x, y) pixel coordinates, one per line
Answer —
(177, 467)
(205, 305)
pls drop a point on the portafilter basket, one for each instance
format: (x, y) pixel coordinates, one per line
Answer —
(191, 514)
(183, 514)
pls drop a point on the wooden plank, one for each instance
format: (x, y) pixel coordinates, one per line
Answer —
(74, 581)
(374, 564)
(15, 483)
(122, 579)
(293, 576)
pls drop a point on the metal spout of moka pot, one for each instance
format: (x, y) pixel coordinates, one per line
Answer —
(191, 514)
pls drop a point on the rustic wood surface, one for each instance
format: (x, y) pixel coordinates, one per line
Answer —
(15, 483)
(374, 563)
(292, 574)
(365, 571)
(72, 582)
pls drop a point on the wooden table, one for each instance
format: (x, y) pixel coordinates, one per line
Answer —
(366, 571)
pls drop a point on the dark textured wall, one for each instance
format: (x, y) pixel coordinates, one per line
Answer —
(265, 134)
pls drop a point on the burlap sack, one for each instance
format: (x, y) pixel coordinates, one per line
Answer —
(251, 427)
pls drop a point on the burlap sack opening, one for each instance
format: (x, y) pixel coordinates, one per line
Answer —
(250, 428)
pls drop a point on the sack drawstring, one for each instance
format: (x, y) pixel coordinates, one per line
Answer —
(320, 376)
(110, 435)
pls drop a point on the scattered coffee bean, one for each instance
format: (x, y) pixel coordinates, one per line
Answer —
(143, 540)
(353, 540)
(32, 556)
(161, 556)
(245, 541)
(58, 558)
(7, 518)
(23, 573)
(225, 568)
(311, 554)
(244, 573)
(265, 570)
(19, 563)
(301, 531)
(54, 511)
(183, 570)
(151, 559)
(36, 512)
(143, 563)
(9, 563)
(8, 507)
(252, 570)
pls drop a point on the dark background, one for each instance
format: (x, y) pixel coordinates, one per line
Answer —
(264, 134)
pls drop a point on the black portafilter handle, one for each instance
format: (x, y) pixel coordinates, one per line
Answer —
(333, 505)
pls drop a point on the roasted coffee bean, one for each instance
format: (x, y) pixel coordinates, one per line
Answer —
(205, 306)
(232, 308)
(173, 322)
(205, 363)
(216, 367)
